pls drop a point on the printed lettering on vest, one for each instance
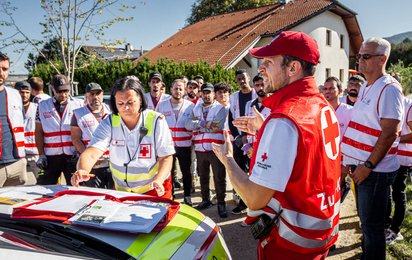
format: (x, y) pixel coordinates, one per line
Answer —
(48, 114)
(88, 123)
(328, 201)
(145, 151)
(330, 132)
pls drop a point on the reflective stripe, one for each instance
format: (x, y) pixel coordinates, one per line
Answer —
(133, 173)
(364, 129)
(175, 234)
(115, 120)
(286, 233)
(209, 141)
(149, 120)
(364, 147)
(305, 221)
(52, 134)
(18, 130)
(184, 138)
(179, 129)
(29, 134)
(190, 249)
(405, 153)
(55, 145)
(138, 190)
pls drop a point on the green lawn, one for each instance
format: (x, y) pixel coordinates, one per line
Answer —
(403, 249)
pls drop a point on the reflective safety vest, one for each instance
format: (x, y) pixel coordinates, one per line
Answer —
(149, 100)
(249, 112)
(405, 149)
(364, 128)
(180, 135)
(16, 119)
(202, 138)
(134, 174)
(235, 106)
(29, 130)
(310, 202)
(57, 135)
(88, 123)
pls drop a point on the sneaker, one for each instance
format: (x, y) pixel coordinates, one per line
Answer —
(205, 204)
(239, 210)
(391, 236)
(221, 209)
(188, 201)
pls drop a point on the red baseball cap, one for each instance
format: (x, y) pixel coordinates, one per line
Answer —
(296, 44)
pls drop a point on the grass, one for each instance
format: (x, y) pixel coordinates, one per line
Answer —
(403, 249)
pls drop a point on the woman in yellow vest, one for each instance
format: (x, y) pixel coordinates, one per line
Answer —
(139, 142)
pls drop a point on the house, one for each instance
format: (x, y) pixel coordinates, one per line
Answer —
(227, 38)
(113, 54)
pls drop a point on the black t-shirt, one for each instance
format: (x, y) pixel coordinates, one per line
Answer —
(243, 99)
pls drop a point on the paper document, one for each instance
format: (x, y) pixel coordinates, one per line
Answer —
(107, 214)
(66, 203)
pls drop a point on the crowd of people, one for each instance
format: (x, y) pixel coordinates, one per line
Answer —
(291, 149)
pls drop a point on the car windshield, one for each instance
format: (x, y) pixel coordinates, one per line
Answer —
(52, 237)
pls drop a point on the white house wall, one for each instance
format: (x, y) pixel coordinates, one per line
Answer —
(333, 57)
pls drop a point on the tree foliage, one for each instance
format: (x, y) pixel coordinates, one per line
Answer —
(72, 23)
(105, 73)
(205, 8)
(406, 75)
(401, 51)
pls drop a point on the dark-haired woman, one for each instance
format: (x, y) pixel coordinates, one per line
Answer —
(139, 142)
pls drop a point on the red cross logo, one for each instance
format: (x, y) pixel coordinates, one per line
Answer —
(145, 151)
(264, 157)
(330, 132)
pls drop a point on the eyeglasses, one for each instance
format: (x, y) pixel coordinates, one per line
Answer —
(366, 56)
(63, 91)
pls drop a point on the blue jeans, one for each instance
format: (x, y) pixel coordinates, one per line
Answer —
(372, 199)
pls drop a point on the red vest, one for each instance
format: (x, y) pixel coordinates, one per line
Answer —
(311, 200)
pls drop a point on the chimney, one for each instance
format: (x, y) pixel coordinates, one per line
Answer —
(128, 47)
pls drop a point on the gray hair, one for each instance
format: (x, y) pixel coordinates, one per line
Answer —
(382, 45)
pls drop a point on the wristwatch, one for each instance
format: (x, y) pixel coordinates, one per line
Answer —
(369, 165)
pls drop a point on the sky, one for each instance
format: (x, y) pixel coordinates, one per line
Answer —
(156, 20)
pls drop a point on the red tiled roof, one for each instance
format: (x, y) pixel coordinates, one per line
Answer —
(222, 38)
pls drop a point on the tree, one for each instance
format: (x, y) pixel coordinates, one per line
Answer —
(401, 51)
(51, 52)
(72, 23)
(205, 8)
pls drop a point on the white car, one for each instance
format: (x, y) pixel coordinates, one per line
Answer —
(187, 235)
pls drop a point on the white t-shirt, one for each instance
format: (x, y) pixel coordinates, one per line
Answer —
(276, 154)
(343, 113)
(164, 143)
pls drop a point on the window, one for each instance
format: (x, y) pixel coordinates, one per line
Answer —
(342, 43)
(327, 72)
(328, 38)
(341, 74)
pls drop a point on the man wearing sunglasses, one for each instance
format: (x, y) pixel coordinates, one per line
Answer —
(370, 143)
(53, 138)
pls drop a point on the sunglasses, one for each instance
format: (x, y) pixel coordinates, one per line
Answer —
(63, 91)
(366, 56)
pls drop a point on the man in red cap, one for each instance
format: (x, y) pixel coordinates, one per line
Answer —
(293, 187)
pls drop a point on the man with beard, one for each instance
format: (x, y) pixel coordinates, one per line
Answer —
(84, 123)
(155, 95)
(30, 108)
(177, 111)
(53, 137)
(208, 121)
(295, 167)
(354, 84)
(12, 152)
(192, 91)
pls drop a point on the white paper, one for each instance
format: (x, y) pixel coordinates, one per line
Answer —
(66, 203)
